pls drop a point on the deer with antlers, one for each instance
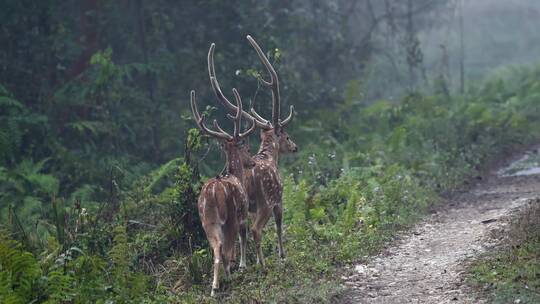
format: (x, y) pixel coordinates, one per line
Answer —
(263, 182)
(223, 202)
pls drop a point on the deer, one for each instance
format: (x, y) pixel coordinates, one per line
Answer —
(223, 201)
(263, 182)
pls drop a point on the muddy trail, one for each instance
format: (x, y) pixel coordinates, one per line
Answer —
(427, 263)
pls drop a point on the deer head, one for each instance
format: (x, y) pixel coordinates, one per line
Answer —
(236, 146)
(273, 130)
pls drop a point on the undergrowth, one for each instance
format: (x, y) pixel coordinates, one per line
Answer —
(139, 240)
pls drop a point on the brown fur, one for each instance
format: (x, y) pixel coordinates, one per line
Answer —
(223, 211)
(263, 182)
(264, 187)
(223, 206)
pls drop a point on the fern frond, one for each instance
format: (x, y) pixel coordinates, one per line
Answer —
(60, 287)
(163, 171)
(19, 271)
(120, 252)
(7, 102)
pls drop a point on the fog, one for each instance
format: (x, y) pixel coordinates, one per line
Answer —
(497, 34)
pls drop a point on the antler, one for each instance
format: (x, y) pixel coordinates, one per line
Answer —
(274, 86)
(258, 120)
(273, 83)
(261, 123)
(238, 118)
(200, 122)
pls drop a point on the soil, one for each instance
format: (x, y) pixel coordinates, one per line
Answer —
(428, 263)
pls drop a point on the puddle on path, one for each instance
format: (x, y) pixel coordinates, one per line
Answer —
(529, 164)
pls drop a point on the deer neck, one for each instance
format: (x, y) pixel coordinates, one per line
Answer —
(269, 148)
(234, 164)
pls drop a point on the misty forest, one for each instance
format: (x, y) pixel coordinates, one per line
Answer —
(310, 151)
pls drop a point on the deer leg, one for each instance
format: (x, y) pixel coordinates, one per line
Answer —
(218, 256)
(233, 255)
(227, 267)
(229, 248)
(243, 242)
(278, 216)
(257, 237)
(263, 214)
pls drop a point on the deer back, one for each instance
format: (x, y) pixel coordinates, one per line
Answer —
(222, 200)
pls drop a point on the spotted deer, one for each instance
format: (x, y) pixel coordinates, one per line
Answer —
(223, 202)
(263, 182)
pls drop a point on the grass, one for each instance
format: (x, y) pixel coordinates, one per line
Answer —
(511, 274)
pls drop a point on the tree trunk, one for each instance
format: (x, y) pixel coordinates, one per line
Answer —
(410, 47)
(88, 40)
(149, 81)
(461, 49)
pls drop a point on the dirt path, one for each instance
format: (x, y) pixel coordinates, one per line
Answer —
(426, 265)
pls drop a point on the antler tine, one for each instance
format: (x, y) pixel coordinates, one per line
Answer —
(219, 94)
(249, 130)
(257, 116)
(273, 83)
(216, 125)
(200, 121)
(214, 82)
(210, 60)
(264, 59)
(288, 119)
(238, 118)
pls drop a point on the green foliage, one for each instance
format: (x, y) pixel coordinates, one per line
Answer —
(60, 287)
(20, 128)
(194, 142)
(197, 265)
(295, 196)
(120, 254)
(183, 205)
(25, 195)
(162, 174)
(512, 273)
(127, 285)
(19, 272)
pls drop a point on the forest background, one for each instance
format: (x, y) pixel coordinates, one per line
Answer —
(397, 102)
